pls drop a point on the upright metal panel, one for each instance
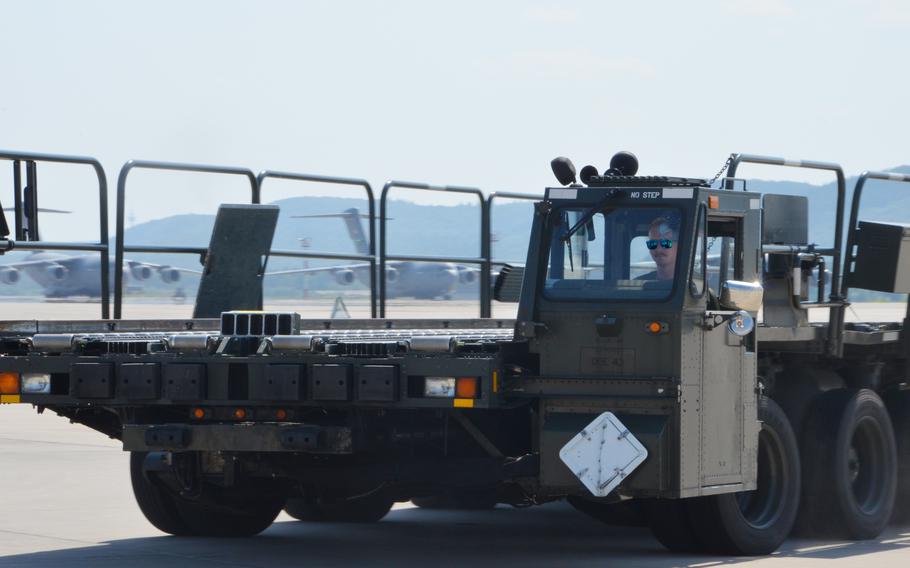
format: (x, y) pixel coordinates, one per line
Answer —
(370, 258)
(102, 246)
(120, 248)
(853, 225)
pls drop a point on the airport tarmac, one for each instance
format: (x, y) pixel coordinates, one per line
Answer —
(65, 499)
(357, 306)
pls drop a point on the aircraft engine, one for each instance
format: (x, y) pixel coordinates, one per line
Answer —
(344, 277)
(9, 275)
(140, 272)
(57, 271)
(467, 276)
(168, 275)
(391, 274)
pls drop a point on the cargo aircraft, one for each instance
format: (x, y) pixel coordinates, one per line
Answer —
(404, 279)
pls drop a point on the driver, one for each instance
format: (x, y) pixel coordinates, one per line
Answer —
(662, 236)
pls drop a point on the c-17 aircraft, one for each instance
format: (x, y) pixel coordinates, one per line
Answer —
(65, 276)
(404, 279)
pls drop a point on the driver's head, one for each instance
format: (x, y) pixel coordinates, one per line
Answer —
(662, 236)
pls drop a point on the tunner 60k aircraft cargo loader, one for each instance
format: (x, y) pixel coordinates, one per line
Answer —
(641, 391)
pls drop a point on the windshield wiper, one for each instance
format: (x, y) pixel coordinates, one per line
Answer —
(590, 213)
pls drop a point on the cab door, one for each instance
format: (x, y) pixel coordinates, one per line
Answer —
(728, 399)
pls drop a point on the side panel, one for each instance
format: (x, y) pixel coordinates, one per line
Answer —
(722, 408)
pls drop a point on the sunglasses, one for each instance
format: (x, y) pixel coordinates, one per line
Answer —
(665, 243)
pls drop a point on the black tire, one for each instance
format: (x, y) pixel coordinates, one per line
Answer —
(153, 501)
(236, 514)
(629, 513)
(898, 404)
(751, 523)
(368, 509)
(671, 525)
(849, 466)
(459, 500)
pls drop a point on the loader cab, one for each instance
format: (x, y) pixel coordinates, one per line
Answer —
(642, 281)
(611, 261)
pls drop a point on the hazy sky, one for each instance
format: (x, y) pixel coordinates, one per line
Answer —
(475, 93)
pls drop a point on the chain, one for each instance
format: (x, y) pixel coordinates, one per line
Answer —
(722, 169)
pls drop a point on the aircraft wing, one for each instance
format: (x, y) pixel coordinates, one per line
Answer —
(28, 263)
(321, 269)
(134, 264)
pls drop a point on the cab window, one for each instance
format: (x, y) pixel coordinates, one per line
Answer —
(622, 253)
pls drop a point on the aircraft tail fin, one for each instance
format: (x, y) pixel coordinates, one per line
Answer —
(351, 218)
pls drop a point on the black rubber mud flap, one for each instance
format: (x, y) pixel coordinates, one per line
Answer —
(898, 403)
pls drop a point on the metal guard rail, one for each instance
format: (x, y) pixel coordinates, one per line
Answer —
(369, 258)
(120, 247)
(853, 225)
(834, 344)
(384, 257)
(103, 244)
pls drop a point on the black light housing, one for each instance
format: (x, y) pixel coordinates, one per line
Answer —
(587, 173)
(563, 169)
(623, 164)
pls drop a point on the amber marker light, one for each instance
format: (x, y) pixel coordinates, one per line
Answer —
(713, 202)
(198, 413)
(281, 414)
(239, 413)
(466, 387)
(9, 383)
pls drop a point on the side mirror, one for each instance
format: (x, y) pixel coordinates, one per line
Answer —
(737, 295)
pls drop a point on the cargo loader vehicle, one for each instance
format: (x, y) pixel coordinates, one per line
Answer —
(662, 370)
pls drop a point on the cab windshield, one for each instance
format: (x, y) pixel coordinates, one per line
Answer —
(622, 253)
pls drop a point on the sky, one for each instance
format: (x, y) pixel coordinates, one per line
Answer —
(468, 93)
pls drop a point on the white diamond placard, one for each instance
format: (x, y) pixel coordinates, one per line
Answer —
(603, 454)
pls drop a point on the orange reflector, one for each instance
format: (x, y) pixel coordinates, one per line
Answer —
(713, 202)
(281, 414)
(9, 383)
(495, 381)
(198, 413)
(239, 413)
(654, 327)
(466, 387)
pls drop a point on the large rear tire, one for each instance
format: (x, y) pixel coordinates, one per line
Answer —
(153, 501)
(850, 466)
(314, 509)
(898, 403)
(752, 523)
(227, 512)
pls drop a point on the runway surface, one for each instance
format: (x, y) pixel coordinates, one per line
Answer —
(65, 500)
